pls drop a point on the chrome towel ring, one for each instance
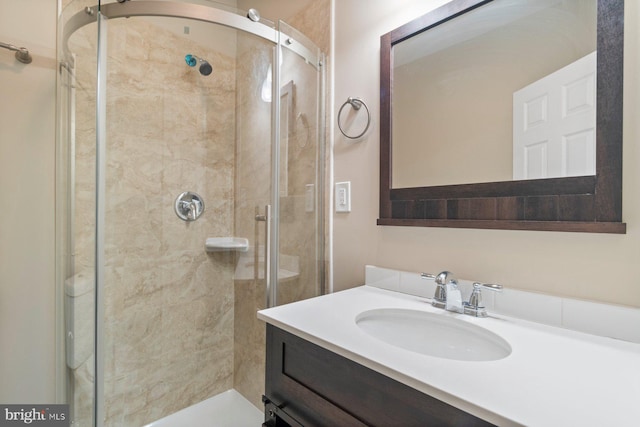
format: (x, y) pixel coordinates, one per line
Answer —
(355, 103)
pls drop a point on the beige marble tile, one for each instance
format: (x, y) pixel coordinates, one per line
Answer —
(249, 336)
(314, 22)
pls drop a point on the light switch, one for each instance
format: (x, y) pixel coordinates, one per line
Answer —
(343, 196)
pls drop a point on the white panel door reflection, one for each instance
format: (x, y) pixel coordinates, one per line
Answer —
(554, 121)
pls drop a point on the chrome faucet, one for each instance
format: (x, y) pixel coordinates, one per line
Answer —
(447, 294)
(449, 297)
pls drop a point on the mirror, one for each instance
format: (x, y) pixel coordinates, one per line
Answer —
(471, 134)
(506, 91)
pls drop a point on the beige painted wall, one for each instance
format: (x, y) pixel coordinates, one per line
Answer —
(27, 129)
(587, 266)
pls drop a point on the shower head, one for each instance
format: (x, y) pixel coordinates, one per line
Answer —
(192, 60)
(205, 68)
(22, 55)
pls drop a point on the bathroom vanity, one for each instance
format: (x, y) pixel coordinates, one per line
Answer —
(308, 385)
(323, 368)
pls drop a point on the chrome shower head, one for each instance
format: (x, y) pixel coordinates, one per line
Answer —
(192, 60)
(22, 53)
(23, 56)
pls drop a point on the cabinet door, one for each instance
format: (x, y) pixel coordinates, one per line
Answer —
(320, 388)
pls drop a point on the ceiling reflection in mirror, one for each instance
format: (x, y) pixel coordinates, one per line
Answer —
(505, 91)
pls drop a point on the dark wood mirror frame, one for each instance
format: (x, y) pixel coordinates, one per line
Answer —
(580, 204)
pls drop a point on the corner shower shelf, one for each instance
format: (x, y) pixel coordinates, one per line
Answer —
(220, 244)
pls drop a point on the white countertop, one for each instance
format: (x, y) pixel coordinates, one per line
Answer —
(553, 376)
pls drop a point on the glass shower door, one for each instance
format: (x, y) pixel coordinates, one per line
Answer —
(75, 214)
(253, 193)
(290, 236)
(176, 323)
(301, 169)
(172, 128)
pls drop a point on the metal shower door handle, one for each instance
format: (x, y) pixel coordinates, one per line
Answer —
(266, 218)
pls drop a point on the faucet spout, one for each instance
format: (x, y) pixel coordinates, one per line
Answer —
(454, 297)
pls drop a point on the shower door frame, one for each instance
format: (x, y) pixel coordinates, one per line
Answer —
(102, 14)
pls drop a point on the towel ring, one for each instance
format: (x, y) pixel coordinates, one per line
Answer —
(355, 103)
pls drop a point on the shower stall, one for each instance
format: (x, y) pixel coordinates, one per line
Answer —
(189, 195)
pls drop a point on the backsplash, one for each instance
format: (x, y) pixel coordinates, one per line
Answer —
(583, 316)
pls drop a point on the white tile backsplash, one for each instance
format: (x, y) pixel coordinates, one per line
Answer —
(414, 284)
(584, 316)
(382, 278)
(601, 319)
(531, 306)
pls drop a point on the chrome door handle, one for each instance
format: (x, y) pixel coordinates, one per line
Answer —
(269, 289)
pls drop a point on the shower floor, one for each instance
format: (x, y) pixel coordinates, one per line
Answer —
(227, 409)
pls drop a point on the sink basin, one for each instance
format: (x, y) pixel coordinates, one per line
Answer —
(433, 334)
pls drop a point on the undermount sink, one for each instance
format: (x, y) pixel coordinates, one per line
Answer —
(433, 334)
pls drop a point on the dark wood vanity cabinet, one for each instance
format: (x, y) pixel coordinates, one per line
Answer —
(307, 385)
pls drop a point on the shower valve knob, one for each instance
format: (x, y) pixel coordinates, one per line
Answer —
(189, 206)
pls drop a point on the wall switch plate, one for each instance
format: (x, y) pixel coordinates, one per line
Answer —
(343, 196)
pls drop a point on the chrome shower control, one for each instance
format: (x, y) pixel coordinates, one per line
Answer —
(189, 206)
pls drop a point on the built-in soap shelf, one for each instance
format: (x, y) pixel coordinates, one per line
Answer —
(222, 244)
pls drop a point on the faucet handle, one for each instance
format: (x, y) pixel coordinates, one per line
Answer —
(491, 286)
(475, 306)
(440, 295)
